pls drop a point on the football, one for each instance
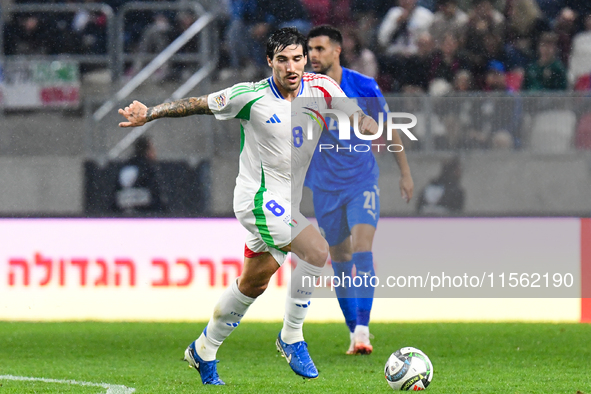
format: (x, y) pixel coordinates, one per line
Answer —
(408, 369)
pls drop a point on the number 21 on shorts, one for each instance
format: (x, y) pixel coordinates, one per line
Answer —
(370, 200)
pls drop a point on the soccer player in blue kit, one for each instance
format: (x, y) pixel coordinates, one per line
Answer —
(345, 187)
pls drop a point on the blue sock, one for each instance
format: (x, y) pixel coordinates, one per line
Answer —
(346, 294)
(364, 264)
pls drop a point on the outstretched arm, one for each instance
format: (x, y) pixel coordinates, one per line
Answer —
(137, 114)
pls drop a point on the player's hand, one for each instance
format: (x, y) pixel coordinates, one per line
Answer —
(406, 187)
(136, 114)
(367, 125)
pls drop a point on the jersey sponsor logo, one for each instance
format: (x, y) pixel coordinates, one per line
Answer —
(220, 101)
(273, 119)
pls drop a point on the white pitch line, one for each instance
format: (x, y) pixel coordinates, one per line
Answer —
(111, 388)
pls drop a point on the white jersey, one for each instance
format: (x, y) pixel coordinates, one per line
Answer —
(275, 146)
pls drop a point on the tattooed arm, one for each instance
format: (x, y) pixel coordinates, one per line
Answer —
(138, 114)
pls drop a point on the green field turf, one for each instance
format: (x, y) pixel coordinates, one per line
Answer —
(467, 358)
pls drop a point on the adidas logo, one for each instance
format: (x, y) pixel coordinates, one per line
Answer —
(273, 119)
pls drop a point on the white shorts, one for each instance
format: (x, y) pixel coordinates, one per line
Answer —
(272, 225)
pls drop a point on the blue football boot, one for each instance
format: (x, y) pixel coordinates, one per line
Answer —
(297, 357)
(207, 369)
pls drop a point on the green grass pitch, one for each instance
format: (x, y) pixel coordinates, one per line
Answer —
(467, 358)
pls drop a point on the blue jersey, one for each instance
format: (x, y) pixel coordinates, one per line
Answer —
(331, 170)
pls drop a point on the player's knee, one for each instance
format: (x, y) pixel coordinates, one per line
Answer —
(319, 253)
(253, 288)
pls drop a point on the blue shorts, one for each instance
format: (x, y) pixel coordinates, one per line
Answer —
(338, 211)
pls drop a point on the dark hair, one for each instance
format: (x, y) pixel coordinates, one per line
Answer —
(441, 3)
(141, 146)
(549, 38)
(327, 30)
(282, 38)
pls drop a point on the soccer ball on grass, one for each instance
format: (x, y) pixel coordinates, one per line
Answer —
(408, 369)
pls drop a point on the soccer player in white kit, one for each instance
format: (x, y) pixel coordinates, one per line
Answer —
(274, 157)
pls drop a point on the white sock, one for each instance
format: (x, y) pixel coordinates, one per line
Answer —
(298, 300)
(227, 314)
(359, 329)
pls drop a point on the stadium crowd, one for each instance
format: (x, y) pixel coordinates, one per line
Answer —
(408, 45)
(440, 47)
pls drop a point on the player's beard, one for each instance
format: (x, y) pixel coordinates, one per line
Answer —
(288, 86)
(323, 68)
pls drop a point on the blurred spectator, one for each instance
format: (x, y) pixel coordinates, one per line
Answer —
(356, 57)
(334, 12)
(581, 8)
(580, 57)
(519, 53)
(547, 73)
(444, 194)
(253, 21)
(183, 70)
(398, 34)
(467, 5)
(448, 61)
(154, 39)
(565, 27)
(91, 26)
(274, 15)
(448, 19)
(136, 22)
(492, 51)
(138, 189)
(431, 5)
(463, 81)
(522, 18)
(27, 34)
(414, 73)
(484, 36)
(551, 8)
(495, 80)
(238, 44)
(367, 16)
(524, 24)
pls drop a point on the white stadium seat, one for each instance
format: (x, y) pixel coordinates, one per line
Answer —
(553, 131)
